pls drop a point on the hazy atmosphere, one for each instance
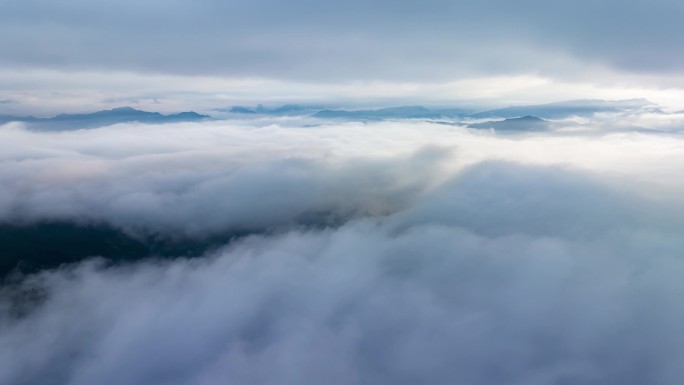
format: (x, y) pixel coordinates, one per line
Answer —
(299, 192)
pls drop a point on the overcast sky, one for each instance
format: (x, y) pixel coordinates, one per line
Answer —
(205, 54)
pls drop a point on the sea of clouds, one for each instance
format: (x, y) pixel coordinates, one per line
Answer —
(373, 253)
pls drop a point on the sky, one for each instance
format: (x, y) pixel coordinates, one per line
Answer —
(203, 55)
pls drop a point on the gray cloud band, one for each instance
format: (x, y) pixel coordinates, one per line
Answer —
(357, 40)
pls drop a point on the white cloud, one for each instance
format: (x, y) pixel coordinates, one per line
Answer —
(228, 175)
(463, 257)
(521, 292)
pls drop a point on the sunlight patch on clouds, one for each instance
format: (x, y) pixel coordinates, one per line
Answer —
(92, 173)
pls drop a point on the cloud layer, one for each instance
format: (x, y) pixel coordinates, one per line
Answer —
(421, 297)
(455, 255)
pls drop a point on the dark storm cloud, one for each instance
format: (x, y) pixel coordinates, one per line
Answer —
(343, 40)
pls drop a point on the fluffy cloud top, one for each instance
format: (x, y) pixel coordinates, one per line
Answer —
(458, 257)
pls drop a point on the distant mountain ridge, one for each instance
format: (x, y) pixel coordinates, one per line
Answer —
(403, 112)
(64, 122)
(556, 110)
(286, 109)
(525, 123)
(559, 110)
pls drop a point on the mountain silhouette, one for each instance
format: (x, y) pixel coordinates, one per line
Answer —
(525, 123)
(65, 122)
